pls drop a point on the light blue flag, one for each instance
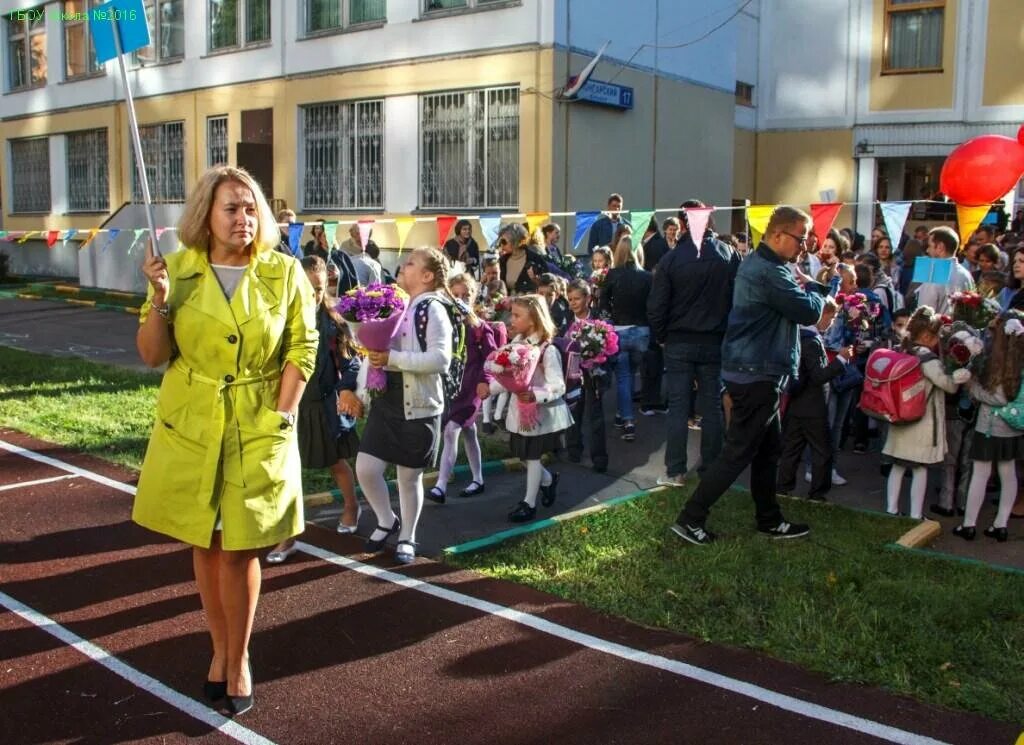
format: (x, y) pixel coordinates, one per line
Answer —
(132, 25)
(70, 234)
(489, 226)
(895, 216)
(936, 271)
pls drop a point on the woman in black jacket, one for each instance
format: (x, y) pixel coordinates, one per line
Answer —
(624, 301)
(463, 247)
(520, 267)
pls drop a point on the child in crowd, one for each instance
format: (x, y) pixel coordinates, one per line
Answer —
(553, 289)
(587, 406)
(900, 319)
(326, 423)
(602, 259)
(462, 412)
(531, 324)
(490, 279)
(919, 444)
(993, 440)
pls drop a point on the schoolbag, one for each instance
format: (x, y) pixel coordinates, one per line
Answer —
(572, 373)
(451, 379)
(895, 389)
(500, 332)
(1013, 412)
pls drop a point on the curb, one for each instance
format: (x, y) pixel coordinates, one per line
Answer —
(71, 301)
(954, 559)
(507, 465)
(532, 527)
(920, 535)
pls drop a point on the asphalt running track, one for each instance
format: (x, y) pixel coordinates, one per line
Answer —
(101, 640)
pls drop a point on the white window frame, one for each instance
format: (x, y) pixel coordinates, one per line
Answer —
(241, 26)
(93, 68)
(40, 179)
(213, 122)
(158, 187)
(24, 34)
(471, 154)
(345, 16)
(429, 8)
(154, 38)
(892, 10)
(349, 114)
(96, 168)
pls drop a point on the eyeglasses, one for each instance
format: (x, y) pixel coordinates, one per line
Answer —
(800, 239)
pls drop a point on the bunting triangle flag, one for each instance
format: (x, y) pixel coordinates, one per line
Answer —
(403, 225)
(52, 236)
(758, 216)
(824, 215)
(87, 241)
(489, 226)
(27, 235)
(584, 221)
(3, 234)
(968, 219)
(697, 218)
(70, 234)
(639, 219)
(111, 237)
(139, 232)
(444, 227)
(13, 235)
(330, 231)
(294, 236)
(535, 220)
(160, 232)
(365, 228)
(894, 214)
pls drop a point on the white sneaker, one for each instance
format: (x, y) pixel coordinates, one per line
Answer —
(677, 481)
(837, 480)
(807, 476)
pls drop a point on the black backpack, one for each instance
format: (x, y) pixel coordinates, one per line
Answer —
(451, 379)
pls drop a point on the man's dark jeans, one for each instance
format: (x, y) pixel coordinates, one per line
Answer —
(684, 364)
(588, 411)
(755, 439)
(651, 369)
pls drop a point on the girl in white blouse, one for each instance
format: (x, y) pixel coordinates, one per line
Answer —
(531, 323)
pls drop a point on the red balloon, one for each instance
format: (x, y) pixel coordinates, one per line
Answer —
(984, 169)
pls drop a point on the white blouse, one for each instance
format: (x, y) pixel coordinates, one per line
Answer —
(548, 386)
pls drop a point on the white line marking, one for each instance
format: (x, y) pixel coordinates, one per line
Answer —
(135, 677)
(758, 693)
(23, 484)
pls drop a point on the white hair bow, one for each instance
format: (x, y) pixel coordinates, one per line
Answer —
(1014, 327)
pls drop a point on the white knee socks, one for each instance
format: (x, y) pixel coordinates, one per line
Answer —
(410, 497)
(473, 454)
(1007, 492)
(448, 454)
(918, 485)
(536, 476)
(370, 472)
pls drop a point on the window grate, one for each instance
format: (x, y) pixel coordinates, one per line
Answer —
(30, 175)
(87, 171)
(343, 148)
(469, 149)
(163, 148)
(217, 140)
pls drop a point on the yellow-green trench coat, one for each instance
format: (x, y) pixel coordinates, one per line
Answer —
(218, 444)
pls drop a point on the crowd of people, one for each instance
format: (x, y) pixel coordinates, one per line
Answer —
(762, 348)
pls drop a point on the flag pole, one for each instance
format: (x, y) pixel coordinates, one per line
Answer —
(136, 140)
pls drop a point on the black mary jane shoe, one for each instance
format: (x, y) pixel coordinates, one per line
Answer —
(523, 513)
(237, 705)
(437, 494)
(474, 488)
(550, 492)
(215, 690)
(964, 532)
(373, 546)
(1000, 534)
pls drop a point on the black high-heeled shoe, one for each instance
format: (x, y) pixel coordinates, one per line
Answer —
(215, 690)
(241, 704)
(373, 546)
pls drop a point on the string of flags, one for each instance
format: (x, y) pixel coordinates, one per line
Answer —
(824, 214)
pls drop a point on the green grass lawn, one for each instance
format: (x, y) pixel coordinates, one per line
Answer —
(839, 602)
(104, 410)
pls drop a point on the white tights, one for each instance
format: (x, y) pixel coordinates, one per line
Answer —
(976, 491)
(451, 451)
(918, 485)
(370, 472)
(536, 476)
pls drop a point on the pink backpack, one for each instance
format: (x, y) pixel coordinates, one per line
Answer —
(895, 389)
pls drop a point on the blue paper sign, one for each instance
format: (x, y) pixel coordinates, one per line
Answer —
(935, 271)
(133, 28)
(606, 94)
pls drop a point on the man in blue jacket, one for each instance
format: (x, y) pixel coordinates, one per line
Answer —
(760, 353)
(603, 229)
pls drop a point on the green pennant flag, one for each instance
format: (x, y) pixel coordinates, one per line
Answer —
(330, 231)
(3, 234)
(639, 219)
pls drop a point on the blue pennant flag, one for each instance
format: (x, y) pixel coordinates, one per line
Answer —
(294, 236)
(111, 238)
(584, 220)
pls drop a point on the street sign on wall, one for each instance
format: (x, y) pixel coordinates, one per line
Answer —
(606, 94)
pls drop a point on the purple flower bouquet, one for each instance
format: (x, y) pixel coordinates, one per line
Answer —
(374, 313)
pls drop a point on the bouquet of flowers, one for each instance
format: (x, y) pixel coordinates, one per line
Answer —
(857, 312)
(960, 346)
(597, 341)
(513, 366)
(974, 310)
(571, 266)
(598, 277)
(374, 313)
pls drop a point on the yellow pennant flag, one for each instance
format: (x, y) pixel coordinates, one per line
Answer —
(28, 235)
(535, 220)
(88, 240)
(968, 219)
(758, 216)
(403, 225)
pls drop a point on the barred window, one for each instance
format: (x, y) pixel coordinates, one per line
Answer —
(217, 140)
(228, 17)
(343, 147)
(30, 175)
(87, 171)
(26, 48)
(469, 149)
(79, 54)
(324, 15)
(166, 32)
(163, 149)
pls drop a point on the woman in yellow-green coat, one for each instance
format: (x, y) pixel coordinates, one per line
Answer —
(236, 323)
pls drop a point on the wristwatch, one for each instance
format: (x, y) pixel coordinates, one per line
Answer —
(289, 417)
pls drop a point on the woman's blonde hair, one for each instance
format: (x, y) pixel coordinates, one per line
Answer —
(194, 224)
(537, 307)
(624, 253)
(436, 262)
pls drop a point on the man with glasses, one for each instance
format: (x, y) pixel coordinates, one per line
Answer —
(760, 353)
